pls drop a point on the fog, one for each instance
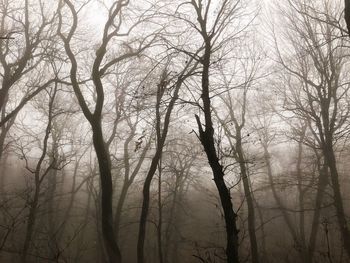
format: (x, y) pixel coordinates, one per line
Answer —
(160, 131)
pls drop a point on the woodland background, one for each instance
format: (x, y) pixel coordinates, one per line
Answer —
(174, 131)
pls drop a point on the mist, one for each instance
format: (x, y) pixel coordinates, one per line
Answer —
(160, 131)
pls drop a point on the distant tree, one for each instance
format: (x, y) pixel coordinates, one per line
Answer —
(168, 84)
(233, 123)
(180, 168)
(48, 161)
(316, 91)
(25, 47)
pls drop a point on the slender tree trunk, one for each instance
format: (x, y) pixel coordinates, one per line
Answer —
(168, 232)
(74, 189)
(321, 187)
(86, 215)
(161, 136)
(249, 199)
(264, 257)
(174, 221)
(145, 207)
(120, 205)
(126, 183)
(51, 203)
(39, 175)
(301, 192)
(4, 129)
(30, 225)
(207, 139)
(3, 172)
(160, 214)
(338, 200)
(128, 180)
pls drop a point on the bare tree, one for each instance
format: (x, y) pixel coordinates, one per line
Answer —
(112, 29)
(41, 171)
(211, 34)
(235, 137)
(322, 96)
(24, 49)
(166, 82)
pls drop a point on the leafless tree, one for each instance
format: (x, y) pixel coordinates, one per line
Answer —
(321, 98)
(211, 34)
(101, 65)
(166, 83)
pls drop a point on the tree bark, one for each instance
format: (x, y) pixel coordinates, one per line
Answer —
(347, 14)
(104, 162)
(206, 137)
(338, 200)
(161, 136)
(160, 215)
(249, 199)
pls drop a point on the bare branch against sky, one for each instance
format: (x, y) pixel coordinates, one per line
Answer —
(175, 131)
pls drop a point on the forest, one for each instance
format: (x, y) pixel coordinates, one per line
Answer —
(175, 131)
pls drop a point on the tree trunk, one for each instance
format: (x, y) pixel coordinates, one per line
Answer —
(207, 139)
(160, 214)
(4, 129)
(30, 225)
(338, 200)
(119, 209)
(302, 192)
(39, 175)
(53, 241)
(161, 136)
(347, 14)
(321, 187)
(103, 158)
(249, 199)
(128, 180)
(229, 214)
(145, 207)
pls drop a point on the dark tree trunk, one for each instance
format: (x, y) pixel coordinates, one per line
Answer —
(160, 215)
(225, 199)
(103, 158)
(161, 136)
(4, 129)
(145, 207)
(207, 139)
(347, 14)
(338, 200)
